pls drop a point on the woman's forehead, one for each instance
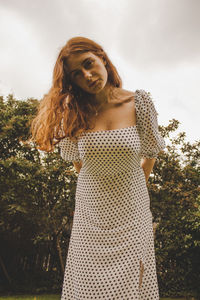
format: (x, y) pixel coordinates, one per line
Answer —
(79, 57)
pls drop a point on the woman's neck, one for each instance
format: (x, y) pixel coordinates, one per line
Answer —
(104, 97)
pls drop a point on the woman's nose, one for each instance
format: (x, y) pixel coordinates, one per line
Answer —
(87, 74)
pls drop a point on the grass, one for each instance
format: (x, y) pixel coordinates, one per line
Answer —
(52, 297)
(29, 297)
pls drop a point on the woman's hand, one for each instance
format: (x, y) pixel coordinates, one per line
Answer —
(147, 165)
(77, 166)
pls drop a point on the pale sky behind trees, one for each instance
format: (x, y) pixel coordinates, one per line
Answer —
(154, 44)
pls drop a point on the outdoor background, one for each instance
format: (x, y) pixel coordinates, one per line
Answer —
(155, 46)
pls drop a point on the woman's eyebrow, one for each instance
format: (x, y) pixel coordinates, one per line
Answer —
(81, 64)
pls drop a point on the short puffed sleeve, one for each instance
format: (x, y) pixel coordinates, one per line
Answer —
(69, 150)
(147, 123)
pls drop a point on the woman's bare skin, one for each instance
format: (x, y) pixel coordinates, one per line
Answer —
(116, 113)
(113, 115)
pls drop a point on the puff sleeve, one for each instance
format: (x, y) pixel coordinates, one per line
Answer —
(69, 150)
(147, 123)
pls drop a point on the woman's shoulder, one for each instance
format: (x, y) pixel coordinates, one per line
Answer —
(139, 96)
(123, 95)
(143, 97)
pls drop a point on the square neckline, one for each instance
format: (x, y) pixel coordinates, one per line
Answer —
(109, 130)
(117, 129)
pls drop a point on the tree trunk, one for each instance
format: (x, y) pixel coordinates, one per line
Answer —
(4, 270)
(60, 253)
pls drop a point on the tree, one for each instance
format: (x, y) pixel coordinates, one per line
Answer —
(174, 189)
(38, 200)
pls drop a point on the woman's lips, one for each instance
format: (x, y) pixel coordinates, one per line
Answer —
(94, 83)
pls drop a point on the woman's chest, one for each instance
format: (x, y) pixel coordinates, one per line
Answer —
(110, 143)
(116, 117)
(110, 148)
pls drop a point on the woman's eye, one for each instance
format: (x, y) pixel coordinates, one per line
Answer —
(88, 63)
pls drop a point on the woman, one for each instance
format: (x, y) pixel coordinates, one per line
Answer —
(111, 136)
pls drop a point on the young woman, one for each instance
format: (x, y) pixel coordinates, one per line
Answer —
(111, 136)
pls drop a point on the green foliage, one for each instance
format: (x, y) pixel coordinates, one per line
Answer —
(174, 189)
(37, 205)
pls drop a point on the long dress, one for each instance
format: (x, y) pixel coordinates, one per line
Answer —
(112, 227)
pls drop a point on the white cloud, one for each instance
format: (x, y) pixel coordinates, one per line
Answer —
(154, 44)
(159, 33)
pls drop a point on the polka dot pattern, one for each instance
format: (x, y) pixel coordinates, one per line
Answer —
(151, 140)
(112, 228)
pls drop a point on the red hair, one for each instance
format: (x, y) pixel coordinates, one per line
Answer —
(66, 109)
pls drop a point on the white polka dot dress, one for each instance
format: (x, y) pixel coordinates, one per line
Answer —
(112, 227)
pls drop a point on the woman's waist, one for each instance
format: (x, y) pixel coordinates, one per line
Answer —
(102, 172)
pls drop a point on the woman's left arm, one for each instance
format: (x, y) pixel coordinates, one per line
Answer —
(151, 140)
(147, 165)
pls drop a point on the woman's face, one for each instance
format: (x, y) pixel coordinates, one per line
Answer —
(87, 71)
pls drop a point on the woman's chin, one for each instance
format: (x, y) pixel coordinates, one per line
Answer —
(96, 88)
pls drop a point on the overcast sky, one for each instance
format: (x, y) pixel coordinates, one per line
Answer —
(154, 44)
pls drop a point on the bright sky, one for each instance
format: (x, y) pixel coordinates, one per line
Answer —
(154, 45)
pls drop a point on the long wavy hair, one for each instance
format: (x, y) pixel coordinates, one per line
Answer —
(66, 109)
